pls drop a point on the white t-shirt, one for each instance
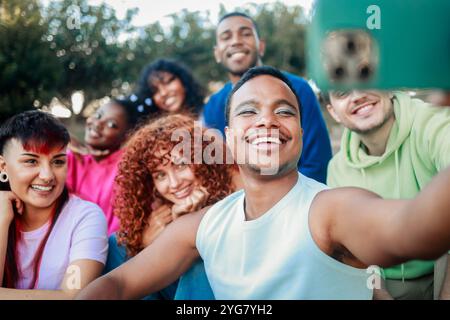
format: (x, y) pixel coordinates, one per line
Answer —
(273, 256)
(79, 233)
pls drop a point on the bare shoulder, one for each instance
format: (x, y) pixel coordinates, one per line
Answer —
(330, 204)
(328, 207)
(334, 200)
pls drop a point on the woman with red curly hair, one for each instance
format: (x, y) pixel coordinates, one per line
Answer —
(157, 182)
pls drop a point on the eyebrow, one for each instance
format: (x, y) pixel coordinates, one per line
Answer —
(246, 103)
(177, 160)
(60, 155)
(284, 101)
(243, 28)
(224, 32)
(30, 155)
(253, 102)
(36, 156)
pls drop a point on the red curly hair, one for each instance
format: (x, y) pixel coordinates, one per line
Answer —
(135, 191)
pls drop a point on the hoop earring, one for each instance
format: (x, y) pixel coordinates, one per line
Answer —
(4, 177)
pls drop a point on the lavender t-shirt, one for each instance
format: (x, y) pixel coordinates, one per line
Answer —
(79, 233)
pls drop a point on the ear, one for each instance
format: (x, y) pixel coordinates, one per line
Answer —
(333, 113)
(2, 163)
(217, 55)
(262, 48)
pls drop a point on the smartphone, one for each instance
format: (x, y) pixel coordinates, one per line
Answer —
(383, 44)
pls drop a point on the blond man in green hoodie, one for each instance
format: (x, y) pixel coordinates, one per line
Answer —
(392, 145)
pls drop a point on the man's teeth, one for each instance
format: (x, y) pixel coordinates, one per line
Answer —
(41, 188)
(238, 54)
(363, 109)
(266, 140)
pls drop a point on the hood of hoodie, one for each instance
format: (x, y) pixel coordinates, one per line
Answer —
(404, 111)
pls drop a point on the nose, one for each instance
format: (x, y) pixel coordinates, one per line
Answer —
(162, 91)
(174, 181)
(357, 96)
(46, 173)
(236, 39)
(97, 124)
(267, 119)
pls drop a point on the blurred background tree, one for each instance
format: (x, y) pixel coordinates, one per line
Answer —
(28, 68)
(49, 53)
(87, 46)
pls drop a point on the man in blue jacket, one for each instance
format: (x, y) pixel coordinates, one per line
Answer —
(238, 48)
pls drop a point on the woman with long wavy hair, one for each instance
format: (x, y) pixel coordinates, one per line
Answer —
(170, 87)
(157, 182)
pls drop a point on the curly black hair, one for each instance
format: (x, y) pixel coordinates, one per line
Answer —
(195, 93)
(137, 111)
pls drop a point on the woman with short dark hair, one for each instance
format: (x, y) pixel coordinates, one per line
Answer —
(52, 244)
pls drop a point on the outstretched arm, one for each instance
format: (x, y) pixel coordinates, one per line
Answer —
(384, 232)
(154, 268)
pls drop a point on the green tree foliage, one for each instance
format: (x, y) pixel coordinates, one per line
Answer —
(86, 43)
(27, 68)
(191, 39)
(70, 45)
(283, 28)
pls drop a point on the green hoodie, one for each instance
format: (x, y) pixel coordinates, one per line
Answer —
(418, 147)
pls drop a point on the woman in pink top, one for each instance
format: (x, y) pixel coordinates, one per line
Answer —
(51, 244)
(91, 170)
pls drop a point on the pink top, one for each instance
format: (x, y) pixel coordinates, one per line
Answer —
(94, 181)
(79, 233)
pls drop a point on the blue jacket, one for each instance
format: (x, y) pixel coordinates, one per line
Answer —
(316, 141)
